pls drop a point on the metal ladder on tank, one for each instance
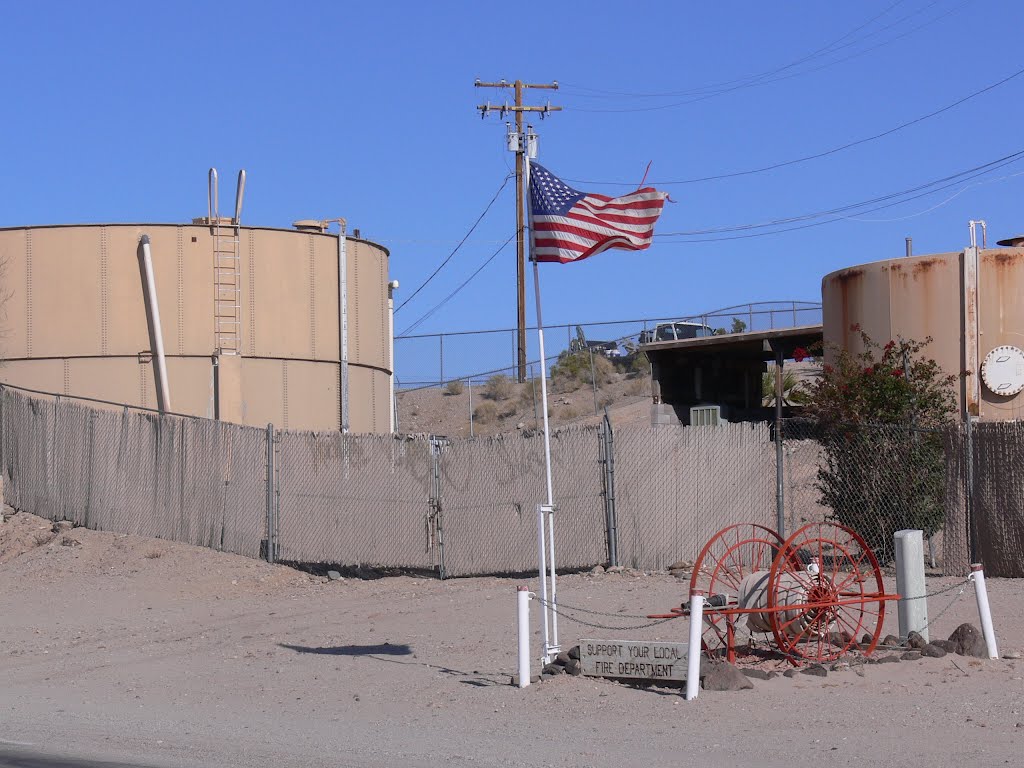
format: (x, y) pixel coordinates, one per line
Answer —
(227, 271)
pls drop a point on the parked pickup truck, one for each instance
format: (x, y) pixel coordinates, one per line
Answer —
(675, 331)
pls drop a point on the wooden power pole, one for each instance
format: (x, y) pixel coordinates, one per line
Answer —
(520, 148)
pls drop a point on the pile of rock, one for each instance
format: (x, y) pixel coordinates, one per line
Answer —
(566, 663)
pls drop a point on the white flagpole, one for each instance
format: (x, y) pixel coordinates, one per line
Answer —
(551, 646)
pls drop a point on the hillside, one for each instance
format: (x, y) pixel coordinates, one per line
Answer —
(502, 405)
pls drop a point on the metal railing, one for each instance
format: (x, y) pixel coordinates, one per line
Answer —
(433, 359)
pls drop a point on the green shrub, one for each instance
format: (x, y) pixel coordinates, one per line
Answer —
(453, 388)
(486, 412)
(499, 387)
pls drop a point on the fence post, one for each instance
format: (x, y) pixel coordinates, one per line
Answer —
(780, 497)
(972, 523)
(436, 512)
(3, 448)
(271, 497)
(607, 446)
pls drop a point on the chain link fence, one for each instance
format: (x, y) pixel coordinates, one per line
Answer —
(676, 487)
(642, 496)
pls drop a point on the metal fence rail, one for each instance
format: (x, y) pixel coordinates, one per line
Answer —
(642, 496)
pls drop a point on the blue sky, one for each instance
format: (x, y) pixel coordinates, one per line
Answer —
(367, 111)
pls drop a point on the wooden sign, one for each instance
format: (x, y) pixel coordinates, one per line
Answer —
(634, 658)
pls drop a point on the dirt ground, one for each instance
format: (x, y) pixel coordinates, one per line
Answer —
(124, 648)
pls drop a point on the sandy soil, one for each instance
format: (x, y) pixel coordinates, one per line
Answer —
(134, 649)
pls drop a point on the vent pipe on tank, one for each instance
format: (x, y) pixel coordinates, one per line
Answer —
(156, 339)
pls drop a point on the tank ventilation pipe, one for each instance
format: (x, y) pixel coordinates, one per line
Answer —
(239, 194)
(984, 233)
(156, 340)
(910, 247)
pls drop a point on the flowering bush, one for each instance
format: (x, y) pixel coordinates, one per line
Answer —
(880, 414)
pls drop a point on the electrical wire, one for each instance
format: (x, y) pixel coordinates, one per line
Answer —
(826, 153)
(452, 295)
(768, 81)
(954, 178)
(448, 258)
(891, 203)
(701, 90)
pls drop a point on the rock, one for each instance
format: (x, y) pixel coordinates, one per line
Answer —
(616, 569)
(968, 641)
(574, 667)
(886, 659)
(945, 645)
(815, 670)
(514, 679)
(933, 651)
(760, 674)
(62, 525)
(574, 652)
(1011, 655)
(680, 565)
(551, 670)
(791, 673)
(891, 641)
(840, 666)
(67, 541)
(545, 676)
(915, 640)
(866, 640)
(911, 656)
(334, 576)
(562, 659)
(723, 676)
(597, 570)
(520, 425)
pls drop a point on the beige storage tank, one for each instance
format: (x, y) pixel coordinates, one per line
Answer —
(250, 320)
(971, 303)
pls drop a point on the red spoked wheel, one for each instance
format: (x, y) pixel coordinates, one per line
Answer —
(824, 591)
(726, 560)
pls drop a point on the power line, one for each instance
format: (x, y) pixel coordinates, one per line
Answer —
(984, 168)
(766, 81)
(448, 258)
(887, 201)
(702, 90)
(826, 153)
(466, 282)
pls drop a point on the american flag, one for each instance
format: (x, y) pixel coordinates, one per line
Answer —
(568, 225)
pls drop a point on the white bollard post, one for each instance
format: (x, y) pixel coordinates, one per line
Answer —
(910, 583)
(978, 577)
(523, 611)
(693, 652)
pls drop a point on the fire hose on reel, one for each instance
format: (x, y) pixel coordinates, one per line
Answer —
(818, 593)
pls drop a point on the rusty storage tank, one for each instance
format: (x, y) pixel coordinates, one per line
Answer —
(969, 302)
(251, 320)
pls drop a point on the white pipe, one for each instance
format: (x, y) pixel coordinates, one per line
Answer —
(239, 195)
(156, 339)
(523, 614)
(693, 651)
(978, 577)
(555, 648)
(545, 606)
(392, 287)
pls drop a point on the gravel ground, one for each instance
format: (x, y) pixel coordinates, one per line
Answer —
(131, 649)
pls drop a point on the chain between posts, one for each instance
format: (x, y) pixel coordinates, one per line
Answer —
(558, 606)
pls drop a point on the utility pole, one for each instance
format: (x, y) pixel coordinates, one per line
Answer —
(517, 144)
